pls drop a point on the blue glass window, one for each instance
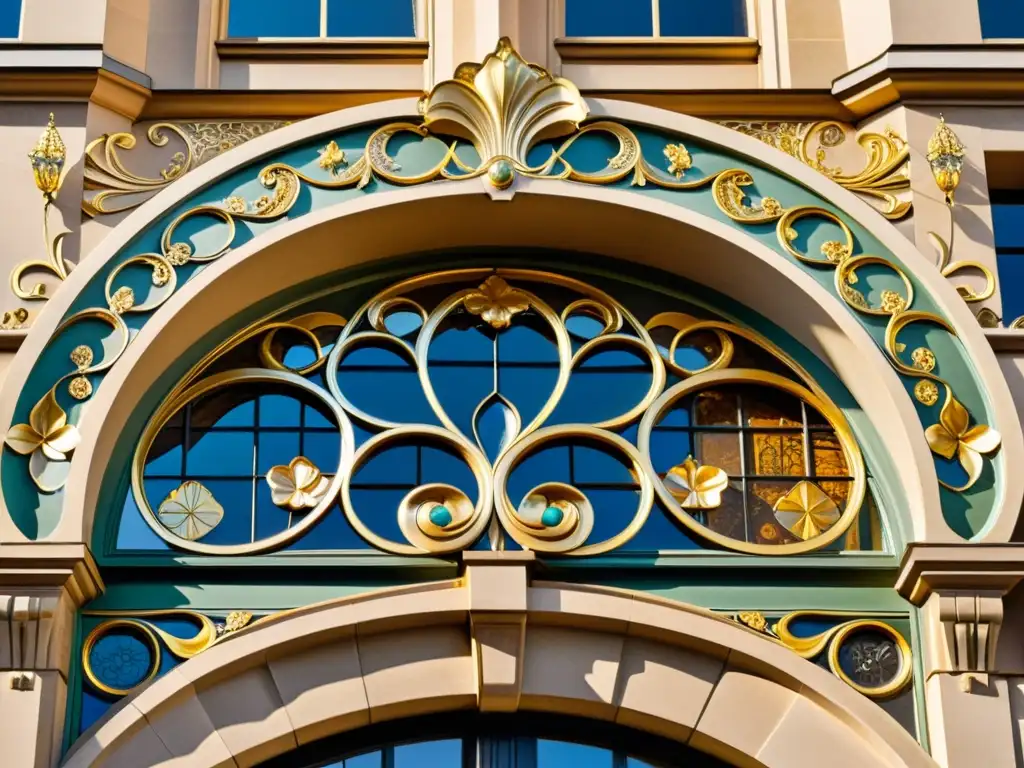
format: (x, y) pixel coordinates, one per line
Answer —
(380, 18)
(635, 18)
(304, 18)
(10, 18)
(272, 18)
(1008, 229)
(1002, 18)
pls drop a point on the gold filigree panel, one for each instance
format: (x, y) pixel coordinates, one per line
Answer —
(883, 158)
(571, 323)
(111, 187)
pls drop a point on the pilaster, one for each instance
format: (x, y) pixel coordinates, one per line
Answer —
(961, 590)
(41, 588)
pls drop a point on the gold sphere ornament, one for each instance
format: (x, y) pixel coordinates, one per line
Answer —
(501, 174)
(946, 157)
(47, 159)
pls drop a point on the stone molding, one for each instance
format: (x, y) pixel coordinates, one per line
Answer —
(611, 655)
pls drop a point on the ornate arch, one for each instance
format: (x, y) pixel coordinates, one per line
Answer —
(491, 642)
(854, 332)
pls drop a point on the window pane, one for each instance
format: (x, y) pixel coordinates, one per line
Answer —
(10, 18)
(220, 453)
(609, 18)
(272, 18)
(714, 408)
(1008, 221)
(719, 449)
(776, 454)
(1001, 18)
(699, 18)
(558, 754)
(1011, 274)
(436, 754)
(380, 18)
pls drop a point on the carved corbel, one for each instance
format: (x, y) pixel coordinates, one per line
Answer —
(970, 627)
(498, 584)
(31, 626)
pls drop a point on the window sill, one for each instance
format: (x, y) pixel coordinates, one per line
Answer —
(743, 50)
(374, 49)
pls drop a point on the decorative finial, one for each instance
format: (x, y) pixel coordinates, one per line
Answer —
(48, 158)
(946, 157)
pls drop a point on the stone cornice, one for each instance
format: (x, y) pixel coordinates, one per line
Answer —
(959, 567)
(41, 565)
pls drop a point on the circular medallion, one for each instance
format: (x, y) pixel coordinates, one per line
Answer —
(926, 392)
(872, 658)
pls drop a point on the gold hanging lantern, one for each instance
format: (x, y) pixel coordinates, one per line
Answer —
(946, 157)
(48, 158)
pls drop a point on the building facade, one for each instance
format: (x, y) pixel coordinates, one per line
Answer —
(512, 383)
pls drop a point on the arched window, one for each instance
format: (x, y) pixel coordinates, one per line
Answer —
(496, 741)
(500, 408)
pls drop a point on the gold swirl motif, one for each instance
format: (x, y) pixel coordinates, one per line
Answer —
(897, 306)
(885, 170)
(118, 189)
(207, 634)
(832, 639)
(557, 514)
(731, 199)
(437, 512)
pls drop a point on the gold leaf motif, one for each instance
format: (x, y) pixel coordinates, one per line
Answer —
(953, 436)
(14, 320)
(695, 486)
(806, 511)
(926, 392)
(122, 300)
(297, 486)
(332, 157)
(80, 388)
(190, 511)
(679, 160)
(496, 302)
(48, 431)
(81, 356)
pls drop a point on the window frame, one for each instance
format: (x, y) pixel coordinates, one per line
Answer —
(738, 49)
(419, 19)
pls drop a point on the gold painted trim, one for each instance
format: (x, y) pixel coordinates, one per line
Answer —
(367, 50)
(742, 50)
(261, 105)
(99, 86)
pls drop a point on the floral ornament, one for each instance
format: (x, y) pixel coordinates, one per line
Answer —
(47, 431)
(496, 301)
(771, 207)
(893, 302)
(190, 511)
(122, 300)
(297, 486)
(235, 621)
(835, 251)
(178, 254)
(332, 157)
(926, 392)
(806, 510)
(953, 435)
(679, 160)
(754, 619)
(695, 486)
(923, 359)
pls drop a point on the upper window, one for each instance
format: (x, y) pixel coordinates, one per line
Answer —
(655, 18)
(10, 18)
(1001, 18)
(484, 408)
(1008, 227)
(321, 18)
